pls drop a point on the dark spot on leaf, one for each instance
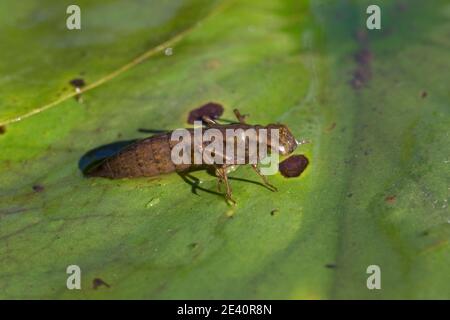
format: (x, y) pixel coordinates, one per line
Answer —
(425, 233)
(361, 77)
(97, 282)
(2, 129)
(293, 166)
(349, 195)
(330, 266)
(193, 245)
(211, 109)
(390, 199)
(424, 94)
(38, 188)
(274, 212)
(363, 56)
(77, 82)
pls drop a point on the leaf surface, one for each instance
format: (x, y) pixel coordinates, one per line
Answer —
(373, 103)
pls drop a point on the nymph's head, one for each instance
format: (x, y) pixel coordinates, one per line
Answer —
(287, 143)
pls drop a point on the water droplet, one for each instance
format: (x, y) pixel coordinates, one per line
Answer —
(152, 202)
(168, 51)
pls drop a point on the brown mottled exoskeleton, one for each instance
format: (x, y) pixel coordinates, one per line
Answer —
(152, 156)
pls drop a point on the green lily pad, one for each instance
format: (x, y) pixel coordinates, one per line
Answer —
(41, 56)
(374, 105)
